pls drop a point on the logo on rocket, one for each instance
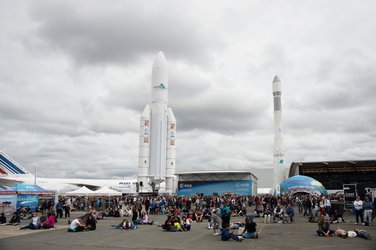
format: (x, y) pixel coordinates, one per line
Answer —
(160, 86)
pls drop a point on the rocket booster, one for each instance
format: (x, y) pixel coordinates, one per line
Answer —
(158, 131)
(278, 150)
(159, 93)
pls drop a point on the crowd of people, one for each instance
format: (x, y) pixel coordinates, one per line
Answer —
(217, 211)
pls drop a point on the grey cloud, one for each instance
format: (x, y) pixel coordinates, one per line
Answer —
(221, 115)
(95, 33)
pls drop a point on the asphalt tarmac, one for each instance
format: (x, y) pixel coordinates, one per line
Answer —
(298, 235)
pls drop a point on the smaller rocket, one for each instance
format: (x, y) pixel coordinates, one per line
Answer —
(157, 134)
(278, 149)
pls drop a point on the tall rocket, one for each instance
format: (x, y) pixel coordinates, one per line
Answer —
(278, 149)
(157, 134)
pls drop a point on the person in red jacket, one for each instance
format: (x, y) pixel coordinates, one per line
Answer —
(50, 222)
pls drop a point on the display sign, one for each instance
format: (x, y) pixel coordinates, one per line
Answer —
(349, 191)
(240, 187)
(27, 200)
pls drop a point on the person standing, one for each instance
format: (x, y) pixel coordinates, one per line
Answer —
(226, 215)
(216, 220)
(138, 206)
(327, 205)
(367, 206)
(358, 207)
(59, 209)
(67, 206)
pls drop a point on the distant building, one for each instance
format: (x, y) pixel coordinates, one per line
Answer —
(334, 174)
(217, 182)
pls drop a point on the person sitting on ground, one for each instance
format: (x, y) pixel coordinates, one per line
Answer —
(186, 223)
(192, 215)
(127, 211)
(91, 222)
(176, 223)
(267, 213)
(324, 228)
(129, 225)
(226, 235)
(168, 224)
(206, 213)
(250, 228)
(290, 213)
(76, 225)
(34, 223)
(341, 233)
(243, 210)
(121, 225)
(337, 217)
(3, 219)
(15, 220)
(199, 215)
(43, 218)
(278, 211)
(50, 222)
(22, 213)
(145, 219)
(362, 234)
(117, 212)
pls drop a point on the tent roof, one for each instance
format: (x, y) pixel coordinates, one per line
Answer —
(107, 191)
(25, 189)
(301, 183)
(80, 192)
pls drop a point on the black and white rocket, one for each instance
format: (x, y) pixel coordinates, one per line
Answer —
(278, 149)
(157, 134)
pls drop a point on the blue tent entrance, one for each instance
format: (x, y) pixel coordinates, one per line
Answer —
(26, 195)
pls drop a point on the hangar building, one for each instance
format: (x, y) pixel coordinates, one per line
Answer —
(335, 174)
(217, 182)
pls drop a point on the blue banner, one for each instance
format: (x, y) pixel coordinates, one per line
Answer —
(27, 200)
(240, 187)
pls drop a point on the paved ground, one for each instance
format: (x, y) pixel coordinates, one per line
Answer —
(299, 235)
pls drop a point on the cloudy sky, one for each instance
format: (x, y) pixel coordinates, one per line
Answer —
(75, 76)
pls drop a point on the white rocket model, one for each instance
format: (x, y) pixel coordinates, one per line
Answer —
(278, 150)
(157, 134)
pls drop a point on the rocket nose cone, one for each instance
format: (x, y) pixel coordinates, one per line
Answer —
(276, 79)
(160, 72)
(160, 59)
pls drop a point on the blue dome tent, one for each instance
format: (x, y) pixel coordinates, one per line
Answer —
(302, 184)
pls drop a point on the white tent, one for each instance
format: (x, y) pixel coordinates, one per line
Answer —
(82, 191)
(105, 191)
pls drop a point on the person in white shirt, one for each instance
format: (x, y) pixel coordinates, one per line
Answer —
(358, 207)
(34, 223)
(327, 205)
(278, 211)
(76, 225)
